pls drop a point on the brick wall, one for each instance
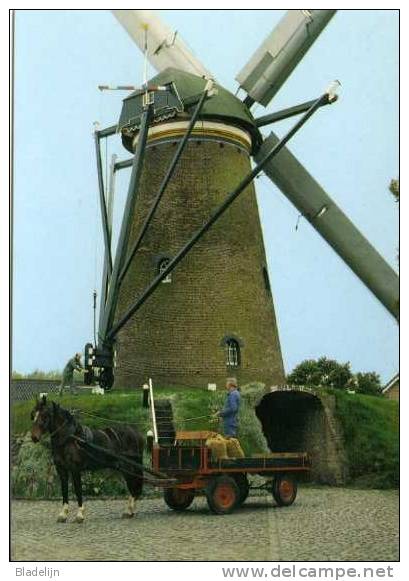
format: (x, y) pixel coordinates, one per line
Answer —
(304, 421)
(217, 291)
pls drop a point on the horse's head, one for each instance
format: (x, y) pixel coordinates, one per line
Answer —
(42, 416)
(50, 417)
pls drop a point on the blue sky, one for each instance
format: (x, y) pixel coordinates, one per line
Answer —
(351, 148)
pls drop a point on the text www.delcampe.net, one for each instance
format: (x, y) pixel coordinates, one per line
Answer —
(294, 571)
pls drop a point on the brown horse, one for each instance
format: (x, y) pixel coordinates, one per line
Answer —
(76, 448)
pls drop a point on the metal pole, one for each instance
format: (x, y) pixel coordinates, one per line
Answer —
(145, 57)
(104, 217)
(165, 182)
(123, 164)
(94, 306)
(215, 216)
(108, 131)
(155, 429)
(287, 113)
(110, 209)
(111, 191)
(133, 188)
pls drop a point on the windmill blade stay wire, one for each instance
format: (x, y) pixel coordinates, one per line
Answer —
(138, 423)
(108, 419)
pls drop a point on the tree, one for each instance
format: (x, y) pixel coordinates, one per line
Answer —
(325, 372)
(37, 374)
(321, 373)
(394, 189)
(369, 383)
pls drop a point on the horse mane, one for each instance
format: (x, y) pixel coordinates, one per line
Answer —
(68, 416)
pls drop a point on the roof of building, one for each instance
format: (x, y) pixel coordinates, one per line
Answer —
(391, 383)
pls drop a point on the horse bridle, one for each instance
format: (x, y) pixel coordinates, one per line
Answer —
(58, 429)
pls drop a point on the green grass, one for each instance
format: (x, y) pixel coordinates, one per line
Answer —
(125, 406)
(371, 438)
(189, 407)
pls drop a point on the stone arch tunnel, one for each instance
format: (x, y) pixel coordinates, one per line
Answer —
(296, 420)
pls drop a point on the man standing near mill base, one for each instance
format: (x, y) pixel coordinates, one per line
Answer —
(230, 411)
(68, 374)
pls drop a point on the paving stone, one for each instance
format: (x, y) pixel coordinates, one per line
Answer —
(333, 524)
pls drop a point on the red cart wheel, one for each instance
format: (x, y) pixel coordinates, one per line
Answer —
(284, 490)
(223, 495)
(178, 498)
(244, 487)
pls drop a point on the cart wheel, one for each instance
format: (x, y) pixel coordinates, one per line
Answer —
(244, 487)
(223, 495)
(284, 490)
(177, 498)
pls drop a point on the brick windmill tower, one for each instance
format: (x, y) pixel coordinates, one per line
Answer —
(187, 300)
(214, 314)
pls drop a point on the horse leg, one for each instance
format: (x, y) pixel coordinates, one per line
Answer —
(134, 484)
(76, 478)
(63, 474)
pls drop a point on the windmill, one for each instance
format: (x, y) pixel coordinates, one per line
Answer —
(187, 294)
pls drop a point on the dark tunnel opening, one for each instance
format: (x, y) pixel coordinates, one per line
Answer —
(295, 421)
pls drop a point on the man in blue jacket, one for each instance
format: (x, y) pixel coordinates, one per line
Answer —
(230, 411)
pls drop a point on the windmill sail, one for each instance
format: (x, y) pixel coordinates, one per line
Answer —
(287, 173)
(279, 54)
(165, 47)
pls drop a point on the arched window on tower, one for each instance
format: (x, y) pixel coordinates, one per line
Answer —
(232, 353)
(161, 267)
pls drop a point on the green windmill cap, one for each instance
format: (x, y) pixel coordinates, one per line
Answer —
(223, 106)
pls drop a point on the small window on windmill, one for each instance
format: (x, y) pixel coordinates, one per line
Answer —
(232, 353)
(164, 263)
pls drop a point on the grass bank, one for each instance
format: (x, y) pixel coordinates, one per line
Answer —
(371, 438)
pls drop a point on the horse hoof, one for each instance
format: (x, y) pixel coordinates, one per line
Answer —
(61, 518)
(127, 515)
(79, 519)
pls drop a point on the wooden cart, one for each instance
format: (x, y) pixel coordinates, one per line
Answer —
(225, 482)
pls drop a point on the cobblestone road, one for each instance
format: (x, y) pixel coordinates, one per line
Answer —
(323, 524)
